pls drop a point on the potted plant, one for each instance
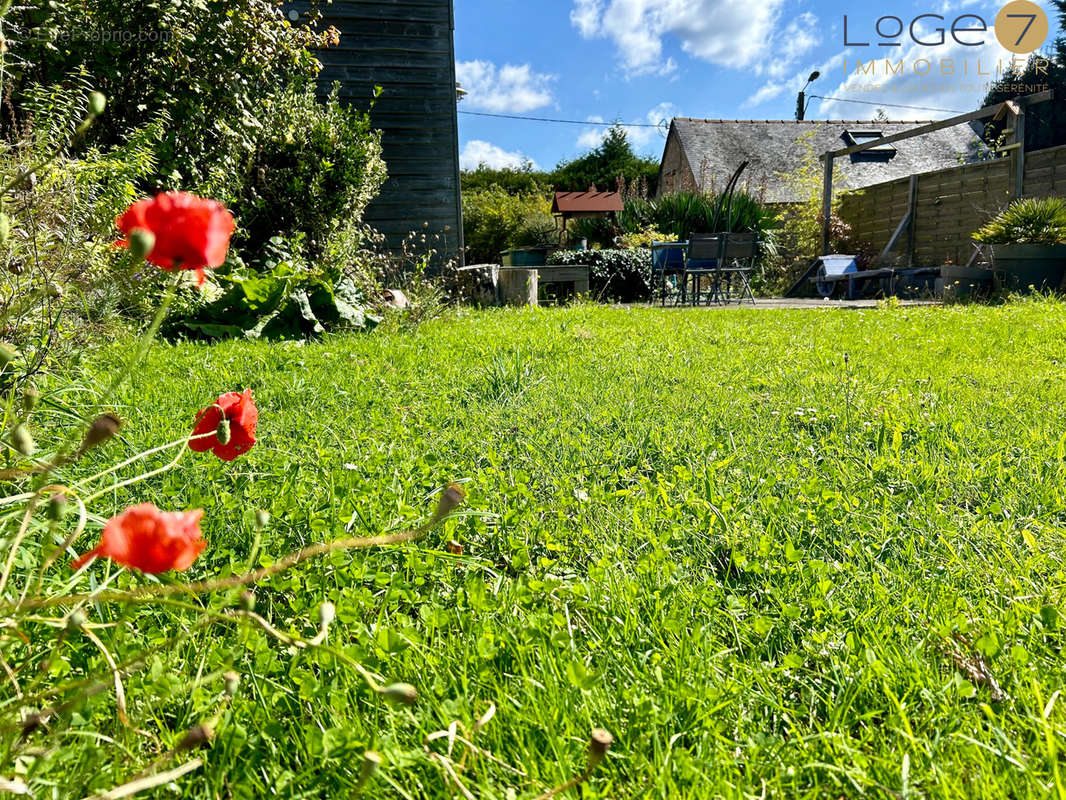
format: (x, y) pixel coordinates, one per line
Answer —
(1028, 243)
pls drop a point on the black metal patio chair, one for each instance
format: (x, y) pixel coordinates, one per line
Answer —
(702, 261)
(738, 254)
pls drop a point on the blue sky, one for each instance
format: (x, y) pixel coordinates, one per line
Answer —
(642, 61)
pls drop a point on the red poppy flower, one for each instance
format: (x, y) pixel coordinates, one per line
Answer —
(190, 232)
(144, 538)
(232, 419)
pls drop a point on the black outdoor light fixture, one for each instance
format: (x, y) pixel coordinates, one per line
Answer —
(801, 101)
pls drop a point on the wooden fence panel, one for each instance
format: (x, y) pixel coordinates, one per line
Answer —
(950, 205)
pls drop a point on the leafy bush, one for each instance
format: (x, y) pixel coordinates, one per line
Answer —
(677, 216)
(286, 297)
(514, 180)
(645, 237)
(60, 278)
(621, 275)
(685, 213)
(1029, 220)
(209, 66)
(494, 220)
(315, 168)
(233, 83)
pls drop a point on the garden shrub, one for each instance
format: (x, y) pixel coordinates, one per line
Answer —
(316, 167)
(1030, 220)
(494, 220)
(235, 83)
(677, 216)
(286, 296)
(620, 275)
(210, 66)
(60, 277)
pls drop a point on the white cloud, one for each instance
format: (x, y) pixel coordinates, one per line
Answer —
(640, 135)
(957, 91)
(774, 88)
(798, 37)
(511, 88)
(725, 32)
(478, 152)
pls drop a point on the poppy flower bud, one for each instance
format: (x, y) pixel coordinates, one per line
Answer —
(403, 693)
(5, 227)
(233, 682)
(248, 601)
(450, 499)
(223, 433)
(599, 744)
(97, 103)
(327, 612)
(262, 519)
(371, 762)
(142, 241)
(58, 505)
(103, 428)
(76, 620)
(33, 721)
(30, 398)
(22, 441)
(7, 355)
(197, 736)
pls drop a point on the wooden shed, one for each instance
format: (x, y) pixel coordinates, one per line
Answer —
(407, 48)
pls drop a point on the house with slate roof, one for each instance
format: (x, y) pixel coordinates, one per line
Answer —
(704, 153)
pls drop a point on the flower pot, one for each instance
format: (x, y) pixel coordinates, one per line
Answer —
(1040, 266)
(525, 256)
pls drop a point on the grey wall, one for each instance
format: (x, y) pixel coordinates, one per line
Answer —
(406, 47)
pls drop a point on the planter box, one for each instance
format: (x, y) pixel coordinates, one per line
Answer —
(1040, 266)
(525, 257)
(959, 281)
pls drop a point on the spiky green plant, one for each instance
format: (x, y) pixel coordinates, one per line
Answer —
(1030, 220)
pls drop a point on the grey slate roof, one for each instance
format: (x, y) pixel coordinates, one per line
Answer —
(715, 148)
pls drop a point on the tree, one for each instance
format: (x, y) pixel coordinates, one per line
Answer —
(514, 180)
(1045, 124)
(602, 167)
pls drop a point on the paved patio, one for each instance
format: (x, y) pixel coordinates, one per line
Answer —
(786, 302)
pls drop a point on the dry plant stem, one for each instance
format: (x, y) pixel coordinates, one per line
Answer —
(151, 473)
(150, 782)
(447, 764)
(120, 692)
(62, 548)
(87, 687)
(11, 676)
(63, 456)
(202, 587)
(570, 784)
(140, 457)
(54, 488)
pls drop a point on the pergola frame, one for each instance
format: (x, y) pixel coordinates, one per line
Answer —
(1013, 110)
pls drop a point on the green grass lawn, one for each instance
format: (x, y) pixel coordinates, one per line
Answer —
(767, 569)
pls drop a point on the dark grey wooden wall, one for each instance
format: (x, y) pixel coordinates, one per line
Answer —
(407, 48)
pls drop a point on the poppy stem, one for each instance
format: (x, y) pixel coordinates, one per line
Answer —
(65, 455)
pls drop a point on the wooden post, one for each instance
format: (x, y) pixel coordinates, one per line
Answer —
(1019, 154)
(912, 218)
(827, 202)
